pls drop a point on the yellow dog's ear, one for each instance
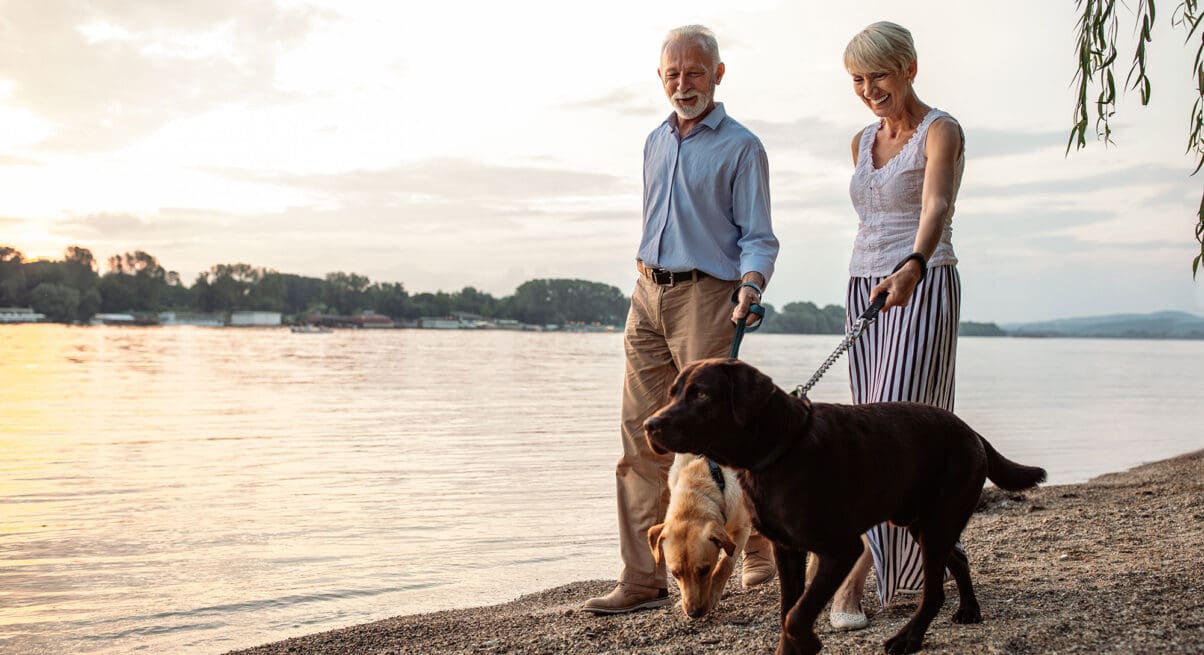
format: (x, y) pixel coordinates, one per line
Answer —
(720, 539)
(654, 541)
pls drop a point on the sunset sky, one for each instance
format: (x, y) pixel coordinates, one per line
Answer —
(484, 144)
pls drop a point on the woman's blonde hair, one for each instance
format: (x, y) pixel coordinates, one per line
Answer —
(883, 46)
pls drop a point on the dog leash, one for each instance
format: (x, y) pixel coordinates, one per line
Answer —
(741, 328)
(866, 319)
(744, 326)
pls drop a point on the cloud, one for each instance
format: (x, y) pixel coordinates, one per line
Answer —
(829, 140)
(813, 136)
(989, 142)
(632, 99)
(378, 230)
(113, 227)
(120, 70)
(12, 160)
(450, 182)
(1151, 178)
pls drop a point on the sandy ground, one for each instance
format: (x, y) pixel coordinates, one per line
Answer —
(1114, 565)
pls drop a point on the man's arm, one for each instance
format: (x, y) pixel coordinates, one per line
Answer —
(758, 245)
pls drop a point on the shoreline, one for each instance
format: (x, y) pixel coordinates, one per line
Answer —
(1111, 565)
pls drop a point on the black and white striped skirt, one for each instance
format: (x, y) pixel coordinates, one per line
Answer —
(908, 355)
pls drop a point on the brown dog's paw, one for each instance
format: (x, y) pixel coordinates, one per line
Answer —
(904, 642)
(967, 615)
(806, 644)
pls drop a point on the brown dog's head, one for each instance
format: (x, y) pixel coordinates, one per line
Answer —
(714, 403)
(699, 556)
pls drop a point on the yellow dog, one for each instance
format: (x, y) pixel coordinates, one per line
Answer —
(706, 527)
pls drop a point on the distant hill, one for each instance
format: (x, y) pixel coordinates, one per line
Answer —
(972, 329)
(1158, 325)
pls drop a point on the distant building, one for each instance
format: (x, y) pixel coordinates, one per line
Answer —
(438, 323)
(254, 319)
(20, 315)
(191, 318)
(473, 321)
(368, 319)
(112, 319)
(371, 319)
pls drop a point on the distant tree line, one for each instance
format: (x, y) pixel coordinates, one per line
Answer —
(804, 318)
(74, 290)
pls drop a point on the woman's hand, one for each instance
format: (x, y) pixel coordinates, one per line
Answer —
(899, 285)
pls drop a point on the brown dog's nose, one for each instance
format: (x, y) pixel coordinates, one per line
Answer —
(697, 612)
(652, 425)
(652, 429)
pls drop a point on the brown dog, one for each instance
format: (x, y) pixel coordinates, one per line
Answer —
(705, 529)
(816, 476)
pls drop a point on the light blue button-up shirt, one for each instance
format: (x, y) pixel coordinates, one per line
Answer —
(706, 200)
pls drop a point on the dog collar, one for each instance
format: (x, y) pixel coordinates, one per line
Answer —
(784, 444)
(717, 475)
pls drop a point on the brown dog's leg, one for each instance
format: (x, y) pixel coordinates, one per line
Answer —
(968, 610)
(792, 576)
(935, 545)
(798, 625)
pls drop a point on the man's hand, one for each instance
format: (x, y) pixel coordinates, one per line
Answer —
(745, 298)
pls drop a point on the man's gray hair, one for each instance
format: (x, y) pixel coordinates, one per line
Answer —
(699, 34)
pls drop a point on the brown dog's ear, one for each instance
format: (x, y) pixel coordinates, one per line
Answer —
(750, 390)
(720, 539)
(654, 541)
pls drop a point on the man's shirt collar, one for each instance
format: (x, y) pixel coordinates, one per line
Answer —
(712, 120)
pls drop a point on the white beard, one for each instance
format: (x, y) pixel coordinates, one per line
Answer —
(691, 111)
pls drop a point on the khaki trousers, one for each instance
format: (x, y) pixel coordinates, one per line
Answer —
(667, 328)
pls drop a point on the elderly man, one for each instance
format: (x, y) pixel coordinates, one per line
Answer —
(707, 234)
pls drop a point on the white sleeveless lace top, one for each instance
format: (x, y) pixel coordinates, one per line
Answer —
(887, 201)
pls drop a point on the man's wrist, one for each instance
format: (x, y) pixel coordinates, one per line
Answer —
(755, 287)
(756, 278)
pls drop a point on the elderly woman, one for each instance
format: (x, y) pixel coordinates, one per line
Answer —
(907, 169)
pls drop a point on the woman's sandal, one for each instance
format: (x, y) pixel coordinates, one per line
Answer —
(848, 620)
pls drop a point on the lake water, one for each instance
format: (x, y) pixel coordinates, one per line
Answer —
(197, 490)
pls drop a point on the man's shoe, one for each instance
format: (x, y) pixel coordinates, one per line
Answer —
(758, 562)
(627, 598)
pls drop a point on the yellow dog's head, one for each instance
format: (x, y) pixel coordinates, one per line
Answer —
(699, 555)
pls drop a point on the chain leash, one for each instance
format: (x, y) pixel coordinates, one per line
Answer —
(865, 320)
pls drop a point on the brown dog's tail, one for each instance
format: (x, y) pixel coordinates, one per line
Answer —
(1009, 475)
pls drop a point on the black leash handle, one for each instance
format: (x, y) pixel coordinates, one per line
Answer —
(867, 317)
(871, 312)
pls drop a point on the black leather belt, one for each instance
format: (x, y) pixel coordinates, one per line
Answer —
(668, 278)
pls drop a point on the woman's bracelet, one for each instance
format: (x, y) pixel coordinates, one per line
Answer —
(919, 258)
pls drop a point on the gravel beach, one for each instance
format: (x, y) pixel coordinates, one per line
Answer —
(1113, 565)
